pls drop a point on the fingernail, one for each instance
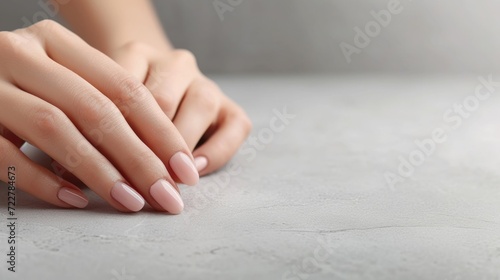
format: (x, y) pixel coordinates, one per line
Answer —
(184, 168)
(167, 196)
(201, 163)
(127, 197)
(72, 197)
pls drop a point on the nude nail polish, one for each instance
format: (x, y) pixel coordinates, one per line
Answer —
(200, 163)
(127, 196)
(167, 196)
(184, 168)
(72, 197)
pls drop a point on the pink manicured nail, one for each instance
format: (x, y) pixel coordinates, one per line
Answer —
(72, 197)
(167, 196)
(127, 197)
(201, 163)
(184, 168)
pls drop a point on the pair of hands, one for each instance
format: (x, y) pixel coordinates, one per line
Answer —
(130, 125)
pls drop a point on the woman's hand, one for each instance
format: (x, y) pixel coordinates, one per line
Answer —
(213, 126)
(97, 120)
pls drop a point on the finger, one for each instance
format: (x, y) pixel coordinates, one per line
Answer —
(49, 129)
(232, 129)
(98, 119)
(133, 58)
(169, 83)
(18, 170)
(62, 172)
(7, 134)
(198, 111)
(133, 99)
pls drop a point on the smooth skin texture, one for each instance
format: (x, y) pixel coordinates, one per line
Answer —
(84, 111)
(130, 122)
(213, 126)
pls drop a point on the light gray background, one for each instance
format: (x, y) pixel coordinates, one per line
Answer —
(304, 35)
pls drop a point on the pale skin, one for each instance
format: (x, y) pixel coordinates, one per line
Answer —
(115, 105)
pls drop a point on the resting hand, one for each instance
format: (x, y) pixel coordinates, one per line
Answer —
(91, 116)
(213, 126)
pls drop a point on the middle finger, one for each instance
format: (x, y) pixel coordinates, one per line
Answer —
(100, 121)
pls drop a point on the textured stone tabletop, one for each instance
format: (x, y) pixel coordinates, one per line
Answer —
(345, 177)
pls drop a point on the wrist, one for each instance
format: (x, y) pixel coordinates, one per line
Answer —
(108, 25)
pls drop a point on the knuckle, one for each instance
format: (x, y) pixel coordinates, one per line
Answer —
(49, 122)
(238, 116)
(224, 148)
(185, 56)
(130, 92)
(245, 123)
(9, 38)
(206, 99)
(136, 47)
(46, 29)
(145, 162)
(93, 108)
(46, 25)
(166, 102)
(11, 45)
(208, 94)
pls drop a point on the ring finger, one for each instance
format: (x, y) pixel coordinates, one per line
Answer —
(48, 128)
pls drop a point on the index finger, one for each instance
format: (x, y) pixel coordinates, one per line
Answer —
(134, 100)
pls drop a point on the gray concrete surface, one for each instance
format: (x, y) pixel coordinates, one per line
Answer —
(306, 200)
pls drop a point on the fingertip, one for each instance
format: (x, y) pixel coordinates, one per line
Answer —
(167, 197)
(201, 162)
(127, 197)
(184, 168)
(73, 196)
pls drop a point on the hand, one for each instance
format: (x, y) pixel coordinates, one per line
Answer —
(90, 115)
(213, 126)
